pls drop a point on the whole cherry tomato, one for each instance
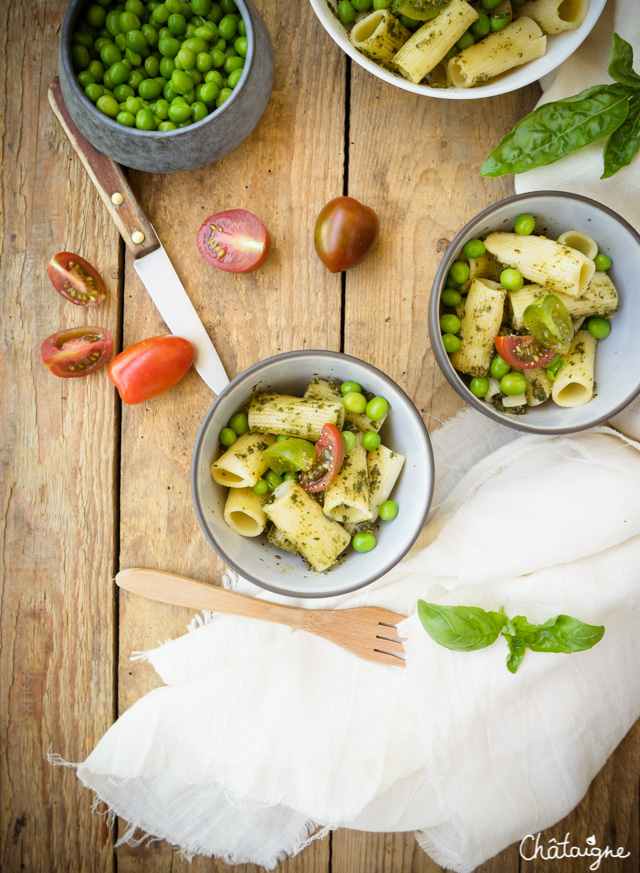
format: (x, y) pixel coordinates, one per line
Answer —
(234, 240)
(328, 460)
(77, 351)
(150, 367)
(76, 279)
(346, 232)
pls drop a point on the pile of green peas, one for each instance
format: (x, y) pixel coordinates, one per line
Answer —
(159, 65)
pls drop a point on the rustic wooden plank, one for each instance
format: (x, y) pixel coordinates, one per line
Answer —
(59, 444)
(289, 166)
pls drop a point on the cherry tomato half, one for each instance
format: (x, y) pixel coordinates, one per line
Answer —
(329, 458)
(346, 232)
(76, 279)
(523, 352)
(234, 240)
(77, 351)
(150, 367)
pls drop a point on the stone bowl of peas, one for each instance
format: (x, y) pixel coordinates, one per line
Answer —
(616, 374)
(165, 86)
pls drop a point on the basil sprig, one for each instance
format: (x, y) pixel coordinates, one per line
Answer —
(559, 128)
(467, 628)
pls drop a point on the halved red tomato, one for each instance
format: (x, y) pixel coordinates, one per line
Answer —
(77, 351)
(329, 458)
(76, 279)
(523, 352)
(234, 240)
(150, 367)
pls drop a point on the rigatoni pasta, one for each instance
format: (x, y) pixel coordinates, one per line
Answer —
(520, 42)
(295, 416)
(484, 308)
(379, 35)
(241, 465)
(556, 16)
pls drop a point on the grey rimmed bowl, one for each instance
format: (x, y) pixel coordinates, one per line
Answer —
(254, 557)
(185, 148)
(617, 366)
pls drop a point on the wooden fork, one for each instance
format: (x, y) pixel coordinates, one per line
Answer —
(367, 631)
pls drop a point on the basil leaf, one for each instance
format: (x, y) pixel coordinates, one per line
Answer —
(517, 649)
(562, 634)
(621, 63)
(623, 144)
(460, 628)
(556, 129)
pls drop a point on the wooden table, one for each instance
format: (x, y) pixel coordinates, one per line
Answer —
(90, 486)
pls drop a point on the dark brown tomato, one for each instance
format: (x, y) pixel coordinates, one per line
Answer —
(346, 232)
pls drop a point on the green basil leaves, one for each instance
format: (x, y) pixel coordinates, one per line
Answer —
(556, 129)
(467, 628)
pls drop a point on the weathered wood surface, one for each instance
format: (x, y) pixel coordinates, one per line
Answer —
(88, 487)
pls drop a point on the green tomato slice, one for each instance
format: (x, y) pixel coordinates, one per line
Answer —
(420, 10)
(550, 323)
(290, 456)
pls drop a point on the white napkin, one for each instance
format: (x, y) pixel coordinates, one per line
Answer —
(580, 172)
(262, 735)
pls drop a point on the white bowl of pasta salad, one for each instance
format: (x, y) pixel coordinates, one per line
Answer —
(312, 474)
(469, 49)
(535, 312)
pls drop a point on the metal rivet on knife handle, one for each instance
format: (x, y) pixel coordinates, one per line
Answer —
(117, 199)
(137, 237)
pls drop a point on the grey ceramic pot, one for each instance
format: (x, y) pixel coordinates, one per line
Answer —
(189, 147)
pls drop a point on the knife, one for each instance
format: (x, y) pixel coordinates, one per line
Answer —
(151, 262)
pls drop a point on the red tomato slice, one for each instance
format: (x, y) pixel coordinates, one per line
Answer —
(235, 241)
(329, 458)
(77, 351)
(346, 232)
(76, 279)
(523, 352)
(150, 367)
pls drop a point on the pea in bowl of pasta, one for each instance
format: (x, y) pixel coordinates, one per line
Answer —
(455, 49)
(535, 312)
(312, 474)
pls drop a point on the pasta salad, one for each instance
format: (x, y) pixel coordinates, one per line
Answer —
(311, 472)
(455, 43)
(523, 316)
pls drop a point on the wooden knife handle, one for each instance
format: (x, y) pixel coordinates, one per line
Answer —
(110, 182)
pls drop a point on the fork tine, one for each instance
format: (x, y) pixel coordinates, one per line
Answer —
(392, 644)
(390, 658)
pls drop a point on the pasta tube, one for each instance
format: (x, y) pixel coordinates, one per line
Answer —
(323, 389)
(430, 43)
(362, 422)
(600, 298)
(481, 321)
(384, 467)
(520, 42)
(538, 386)
(556, 16)
(279, 540)
(379, 35)
(542, 260)
(241, 465)
(574, 384)
(346, 499)
(295, 416)
(243, 512)
(300, 518)
(575, 239)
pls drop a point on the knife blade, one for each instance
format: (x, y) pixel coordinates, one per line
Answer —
(151, 262)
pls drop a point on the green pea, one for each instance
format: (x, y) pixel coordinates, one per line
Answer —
(152, 67)
(215, 77)
(291, 475)
(106, 81)
(524, 224)
(261, 486)
(451, 298)
(225, 93)
(349, 439)
(227, 436)
(145, 120)
(162, 109)
(150, 34)
(474, 248)
(273, 480)
(491, 4)
(228, 28)
(220, 45)
(126, 118)
(208, 32)
(93, 92)
(120, 41)
(79, 37)
(167, 66)
(174, 5)
(282, 437)
(479, 386)
(451, 343)
(208, 93)
(346, 12)
(118, 73)
(166, 125)
(123, 92)
(410, 23)
(598, 327)
(459, 271)
(201, 7)
(169, 47)
(179, 112)
(602, 262)
(347, 387)
(177, 24)
(235, 76)
(181, 82)
(449, 323)
(135, 77)
(354, 402)
(513, 384)
(388, 510)
(364, 542)
(135, 41)
(108, 105)
(168, 93)
(499, 21)
(80, 57)
(96, 68)
(95, 15)
(371, 440)
(453, 51)
(133, 58)
(133, 105)
(204, 63)
(159, 16)
(451, 283)
(198, 110)
(242, 29)
(185, 59)
(196, 44)
(112, 22)
(85, 78)
(129, 21)
(110, 54)
(466, 40)
(240, 45)
(377, 408)
(362, 5)
(217, 57)
(239, 423)
(511, 279)
(228, 6)
(499, 367)
(233, 63)
(135, 6)
(481, 26)
(149, 89)
(382, 4)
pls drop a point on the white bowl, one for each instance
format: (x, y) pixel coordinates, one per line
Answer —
(254, 557)
(617, 366)
(559, 48)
